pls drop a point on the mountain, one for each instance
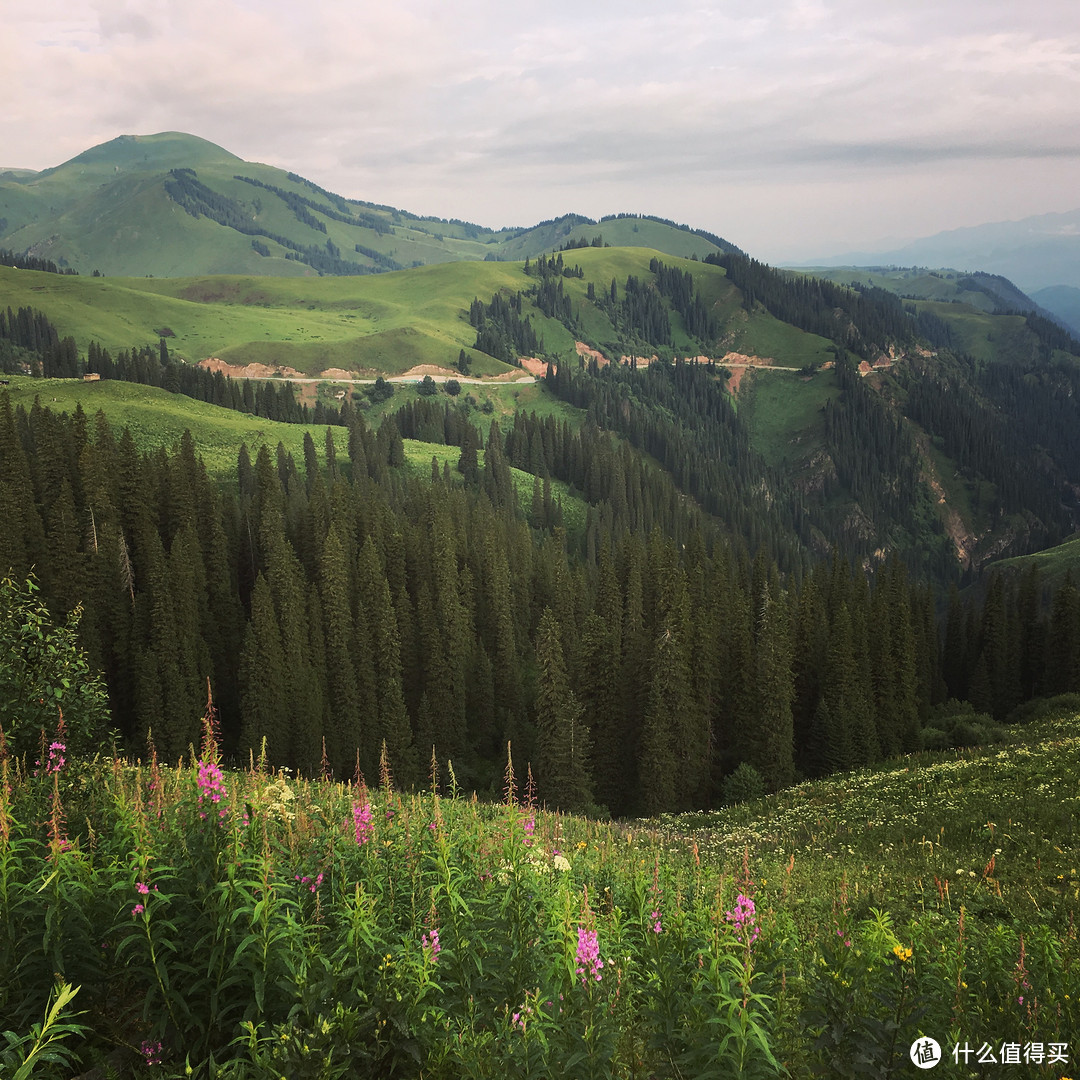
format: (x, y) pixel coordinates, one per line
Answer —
(172, 204)
(1063, 301)
(1035, 252)
(680, 497)
(880, 413)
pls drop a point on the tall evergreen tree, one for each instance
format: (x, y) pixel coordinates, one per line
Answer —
(562, 744)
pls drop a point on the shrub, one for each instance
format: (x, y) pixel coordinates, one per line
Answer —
(744, 784)
(44, 673)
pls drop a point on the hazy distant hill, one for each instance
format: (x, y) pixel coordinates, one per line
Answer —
(1035, 252)
(173, 204)
(1063, 301)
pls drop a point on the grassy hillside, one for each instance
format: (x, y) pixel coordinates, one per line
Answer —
(157, 418)
(122, 208)
(1053, 563)
(384, 323)
(817, 933)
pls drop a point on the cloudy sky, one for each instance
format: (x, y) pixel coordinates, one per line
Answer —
(793, 128)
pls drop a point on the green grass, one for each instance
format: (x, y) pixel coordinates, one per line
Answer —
(835, 921)
(918, 833)
(784, 413)
(1053, 563)
(761, 334)
(385, 323)
(157, 418)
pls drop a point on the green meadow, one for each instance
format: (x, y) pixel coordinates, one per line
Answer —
(158, 419)
(198, 919)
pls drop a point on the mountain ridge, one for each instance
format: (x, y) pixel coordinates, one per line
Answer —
(174, 204)
(1036, 252)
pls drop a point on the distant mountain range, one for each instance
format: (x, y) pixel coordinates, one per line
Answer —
(1040, 254)
(172, 204)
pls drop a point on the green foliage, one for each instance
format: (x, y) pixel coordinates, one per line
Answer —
(44, 675)
(263, 927)
(42, 1044)
(744, 784)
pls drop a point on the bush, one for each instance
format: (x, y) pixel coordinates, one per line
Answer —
(43, 674)
(380, 391)
(743, 784)
(1045, 708)
(427, 386)
(453, 387)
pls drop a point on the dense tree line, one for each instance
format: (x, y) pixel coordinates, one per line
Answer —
(1012, 424)
(341, 600)
(501, 330)
(678, 286)
(29, 340)
(877, 462)
(865, 321)
(640, 315)
(1013, 639)
(26, 261)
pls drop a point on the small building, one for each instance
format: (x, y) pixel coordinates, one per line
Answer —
(93, 376)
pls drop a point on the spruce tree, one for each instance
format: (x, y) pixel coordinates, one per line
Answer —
(261, 673)
(562, 744)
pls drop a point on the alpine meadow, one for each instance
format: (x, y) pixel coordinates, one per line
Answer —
(580, 650)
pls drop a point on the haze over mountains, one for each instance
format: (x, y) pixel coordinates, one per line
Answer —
(1040, 254)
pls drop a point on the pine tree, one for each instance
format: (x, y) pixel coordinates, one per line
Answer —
(772, 736)
(562, 746)
(262, 670)
(344, 714)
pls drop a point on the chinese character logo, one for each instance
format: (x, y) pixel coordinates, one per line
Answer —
(925, 1053)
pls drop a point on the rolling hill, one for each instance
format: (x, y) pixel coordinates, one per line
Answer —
(172, 205)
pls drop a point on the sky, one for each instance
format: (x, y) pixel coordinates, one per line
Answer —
(793, 128)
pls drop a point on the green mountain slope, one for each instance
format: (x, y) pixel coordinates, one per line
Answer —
(954, 446)
(173, 205)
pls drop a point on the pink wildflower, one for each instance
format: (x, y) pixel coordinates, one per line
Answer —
(56, 757)
(743, 919)
(530, 828)
(138, 909)
(211, 784)
(362, 826)
(151, 1052)
(655, 916)
(588, 955)
(431, 941)
(142, 887)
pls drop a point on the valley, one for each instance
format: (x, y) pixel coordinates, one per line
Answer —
(412, 620)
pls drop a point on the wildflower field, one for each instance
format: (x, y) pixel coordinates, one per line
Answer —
(197, 920)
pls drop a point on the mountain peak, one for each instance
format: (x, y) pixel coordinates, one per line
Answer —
(165, 150)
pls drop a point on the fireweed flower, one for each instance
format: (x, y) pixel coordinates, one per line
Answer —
(743, 919)
(56, 757)
(138, 909)
(362, 827)
(211, 784)
(431, 941)
(655, 916)
(151, 1053)
(530, 828)
(588, 955)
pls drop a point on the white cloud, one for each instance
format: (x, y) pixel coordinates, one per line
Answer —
(479, 110)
